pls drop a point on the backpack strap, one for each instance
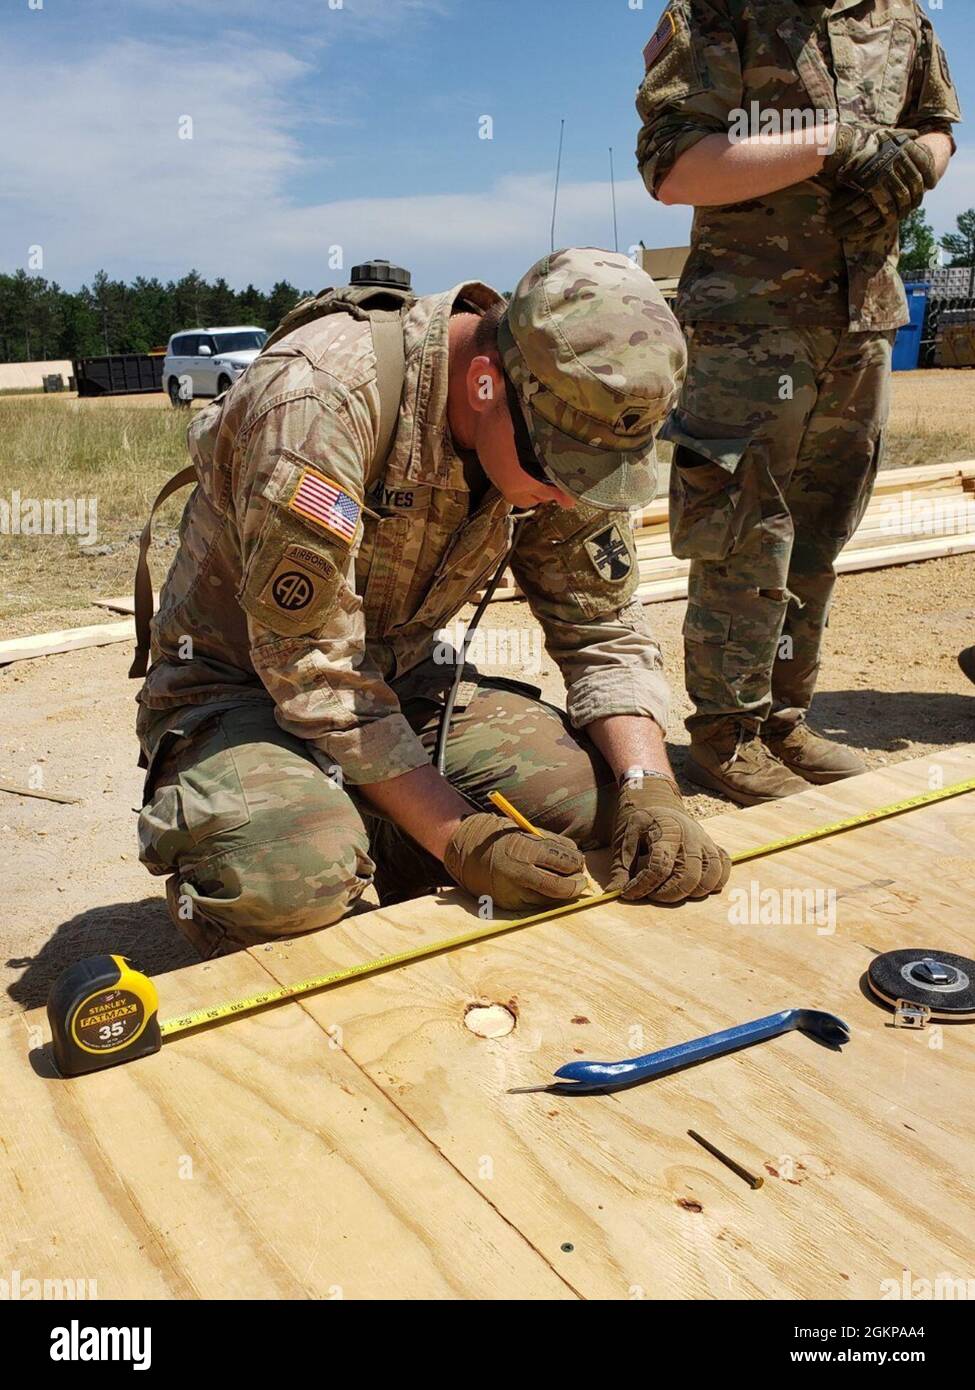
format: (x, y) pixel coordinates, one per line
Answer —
(384, 310)
(143, 579)
(390, 349)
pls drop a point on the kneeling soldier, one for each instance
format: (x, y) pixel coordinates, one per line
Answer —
(292, 707)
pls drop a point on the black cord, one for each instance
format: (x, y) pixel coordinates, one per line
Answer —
(440, 757)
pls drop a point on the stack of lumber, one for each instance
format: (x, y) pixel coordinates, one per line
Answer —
(915, 514)
(74, 639)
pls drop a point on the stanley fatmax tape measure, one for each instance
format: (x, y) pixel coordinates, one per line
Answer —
(103, 1012)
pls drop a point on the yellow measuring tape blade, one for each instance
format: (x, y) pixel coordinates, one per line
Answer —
(219, 1012)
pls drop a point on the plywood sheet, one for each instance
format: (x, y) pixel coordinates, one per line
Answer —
(363, 1143)
(255, 1161)
(865, 1154)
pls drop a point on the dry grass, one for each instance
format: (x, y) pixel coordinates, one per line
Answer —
(932, 418)
(68, 450)
(52, 447)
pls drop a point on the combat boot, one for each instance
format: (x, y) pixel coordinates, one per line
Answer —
(810, 755)
(733, 760)
(967, 663)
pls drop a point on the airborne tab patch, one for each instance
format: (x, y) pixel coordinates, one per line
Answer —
(326, 505)
(666, 30)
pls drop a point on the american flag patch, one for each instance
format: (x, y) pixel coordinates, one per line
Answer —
(323, 502)
(666, 30)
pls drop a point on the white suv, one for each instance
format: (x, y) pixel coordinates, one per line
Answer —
(207, 361)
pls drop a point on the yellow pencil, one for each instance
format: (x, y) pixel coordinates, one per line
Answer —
(523, 823)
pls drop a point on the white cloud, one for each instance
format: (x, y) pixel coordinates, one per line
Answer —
(97, 176)
(96, 172)
(491, 235)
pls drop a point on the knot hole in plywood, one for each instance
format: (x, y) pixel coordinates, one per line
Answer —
(490, 1020)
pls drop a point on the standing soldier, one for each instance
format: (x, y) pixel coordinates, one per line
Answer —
(290, 716)
(790, 300)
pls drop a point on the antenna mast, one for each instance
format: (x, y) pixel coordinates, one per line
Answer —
(612, 184)
(558, 174)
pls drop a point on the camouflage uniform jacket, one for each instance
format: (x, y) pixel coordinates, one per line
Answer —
(288, 582)
(774, 260)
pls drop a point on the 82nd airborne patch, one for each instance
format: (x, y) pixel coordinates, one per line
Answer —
(299, 580)
(610, 554)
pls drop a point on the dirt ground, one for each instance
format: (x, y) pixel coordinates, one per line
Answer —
(73, 884)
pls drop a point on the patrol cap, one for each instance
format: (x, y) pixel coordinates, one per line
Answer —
(597, 360)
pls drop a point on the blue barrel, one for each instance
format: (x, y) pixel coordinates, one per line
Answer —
(907, 346)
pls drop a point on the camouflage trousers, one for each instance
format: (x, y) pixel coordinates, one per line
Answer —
(778, 438)
(259, 842)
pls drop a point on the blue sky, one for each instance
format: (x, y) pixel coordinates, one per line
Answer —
(337, 123)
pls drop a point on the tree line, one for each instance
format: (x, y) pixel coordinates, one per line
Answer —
(919, 245)
(41, 322)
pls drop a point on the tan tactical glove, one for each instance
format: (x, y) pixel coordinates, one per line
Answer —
(489, 856)
(884, 186)
(855, 145)
(684, 861)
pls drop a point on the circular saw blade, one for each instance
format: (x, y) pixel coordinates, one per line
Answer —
(937, 980)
